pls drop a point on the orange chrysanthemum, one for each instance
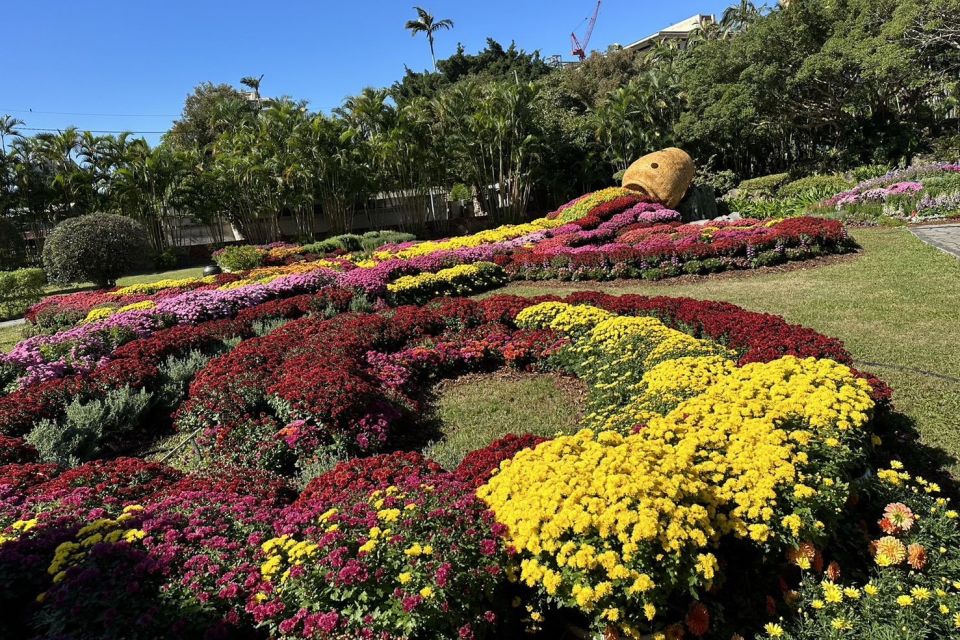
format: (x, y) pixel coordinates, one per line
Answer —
(917, 556)
(888, 526)
(674, 632)
(833, 571)
(698, 619)
(900, 515)
(803, 556)
(818, 561)
(890, 552)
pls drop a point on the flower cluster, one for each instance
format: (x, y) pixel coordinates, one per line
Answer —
(616, 523)
(455, 281)
(910, 556)
(877, 194)
(137, 363)
(421, 555)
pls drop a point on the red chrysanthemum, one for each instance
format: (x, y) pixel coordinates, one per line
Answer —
(698, 619)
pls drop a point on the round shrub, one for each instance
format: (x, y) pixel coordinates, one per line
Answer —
(13, 250)
(96, 248)
(239, 258)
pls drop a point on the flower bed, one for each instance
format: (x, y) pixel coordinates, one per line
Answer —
(664, 250)
(925, 192)
(720, 444)
(612, 233)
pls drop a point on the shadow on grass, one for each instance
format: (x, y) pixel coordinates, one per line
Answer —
(901, 441)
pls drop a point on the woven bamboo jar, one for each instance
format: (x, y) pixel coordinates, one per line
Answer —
(665, 176)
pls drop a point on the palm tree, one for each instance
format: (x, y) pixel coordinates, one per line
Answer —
(8, 127)
(254, 85)
(739, 16)
(425, 23)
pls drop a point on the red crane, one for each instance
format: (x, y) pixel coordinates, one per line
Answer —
(580, 50)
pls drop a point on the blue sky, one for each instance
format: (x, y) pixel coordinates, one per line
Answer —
(130, 57)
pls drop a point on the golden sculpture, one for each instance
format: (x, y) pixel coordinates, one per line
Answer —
(665, 176)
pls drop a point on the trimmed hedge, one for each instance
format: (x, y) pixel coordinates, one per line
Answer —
(817, 183)
(764, 186)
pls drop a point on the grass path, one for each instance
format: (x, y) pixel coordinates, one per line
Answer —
(897, 303)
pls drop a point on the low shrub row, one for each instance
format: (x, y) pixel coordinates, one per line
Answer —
(246, 257)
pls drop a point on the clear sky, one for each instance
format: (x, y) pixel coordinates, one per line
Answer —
(126, 58)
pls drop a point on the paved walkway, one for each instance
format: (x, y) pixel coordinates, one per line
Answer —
(945, 237)
(11, 323)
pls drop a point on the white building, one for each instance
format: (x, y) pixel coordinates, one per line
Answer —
(682, 31)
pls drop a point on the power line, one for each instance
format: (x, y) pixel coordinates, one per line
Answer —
(109, 115)
(90, 130)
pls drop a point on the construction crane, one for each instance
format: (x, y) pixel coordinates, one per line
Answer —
(580, 50)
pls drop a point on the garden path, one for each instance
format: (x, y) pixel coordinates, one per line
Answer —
(945, 237)
(11, 323)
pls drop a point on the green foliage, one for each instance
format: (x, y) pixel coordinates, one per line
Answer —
(263, 327)
(764, 186)
(239, 258)
(359, 304)
(460, 191)
(764, 209)
(166, 260)
(175, 377)
(491, 63)
(940, 185)
(831, 184)
(13, 250)
(96, 248)
(88, 429)
(869, 172)
(346, 242)
(19, 290)
(810, 85)
(720, 181)
(373, 240)
(200, 121)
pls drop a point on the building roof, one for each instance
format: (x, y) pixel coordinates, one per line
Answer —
(682, 29)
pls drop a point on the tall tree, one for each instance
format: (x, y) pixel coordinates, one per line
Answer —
(426, 23)
(199, 123)
(254, 85)
(8, 127)
(738, 17)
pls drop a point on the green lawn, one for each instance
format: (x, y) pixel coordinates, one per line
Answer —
(473, 411)
(897, 303)
(126, 281)
(9, 336)
(176, 274)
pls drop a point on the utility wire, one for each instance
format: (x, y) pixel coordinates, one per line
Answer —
(90, 130)
(111, 115)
